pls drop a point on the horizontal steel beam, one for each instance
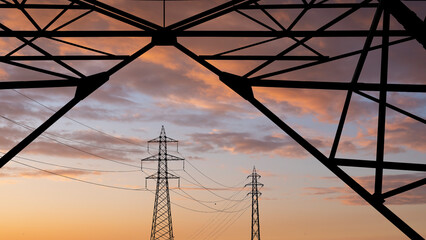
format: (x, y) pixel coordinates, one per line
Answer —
(42, 6)
(386, 165)
(337, 85)
(303, 6)
(264, 6)
(38, 84)
(330, 33)
(63, 58)
(264, 57)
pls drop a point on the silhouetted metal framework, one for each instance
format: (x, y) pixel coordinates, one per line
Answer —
(255, 223)
(162, 228)
(170, 35)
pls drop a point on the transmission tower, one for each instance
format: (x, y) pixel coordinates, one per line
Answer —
(255, 224)
(162, 228)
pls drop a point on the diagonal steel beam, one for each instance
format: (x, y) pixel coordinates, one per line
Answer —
(330, 59)
(207, 15)
(42, 51)
(405, 188)
(86, 87)
(407, 18)
(420, 119)
(321, 29)
(373, 201)
(118, 14)
(355, 77)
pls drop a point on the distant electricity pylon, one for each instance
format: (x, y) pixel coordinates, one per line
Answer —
(162, 228)
(255, 225)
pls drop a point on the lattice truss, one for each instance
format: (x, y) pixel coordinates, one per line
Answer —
(275, 41)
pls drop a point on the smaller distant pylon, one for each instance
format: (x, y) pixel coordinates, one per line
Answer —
(255, 223)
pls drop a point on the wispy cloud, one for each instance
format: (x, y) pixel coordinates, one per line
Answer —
(244, 143)
(42, 174)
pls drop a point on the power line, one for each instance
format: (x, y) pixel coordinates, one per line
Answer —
(68, 139)
(92, 170)
(78, 122)
(214, 224)
(222, 200)
(67, 145)
(228, 225)
(79, 180)
(202, 186)
(211, 179)
(115, 161)
(74, 168)
(224, 210)
(105, 185)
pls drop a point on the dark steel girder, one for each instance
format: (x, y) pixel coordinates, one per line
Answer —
(338, 85)
(386, 165)
(311, 6)
(42, 6)
(258, 57)
(38, 84)
(193, 33)
(63, 58)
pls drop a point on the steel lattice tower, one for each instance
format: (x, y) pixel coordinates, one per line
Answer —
(162, 228)
(255, 224)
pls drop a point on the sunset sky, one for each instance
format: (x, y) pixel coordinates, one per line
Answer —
(82, 179)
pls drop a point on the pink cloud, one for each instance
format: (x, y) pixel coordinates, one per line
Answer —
(408, 133)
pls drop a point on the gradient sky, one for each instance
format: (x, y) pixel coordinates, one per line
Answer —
(221, 135)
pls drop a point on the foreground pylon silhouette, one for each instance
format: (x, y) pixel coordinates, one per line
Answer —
(255, 225)
(162, 228)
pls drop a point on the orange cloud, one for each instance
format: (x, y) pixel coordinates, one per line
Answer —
(325, 105)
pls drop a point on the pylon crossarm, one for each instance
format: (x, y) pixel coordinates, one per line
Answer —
(151, 158)
(173, 158)
(167, 139)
